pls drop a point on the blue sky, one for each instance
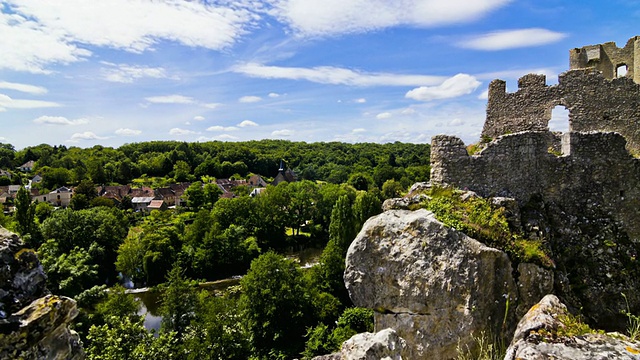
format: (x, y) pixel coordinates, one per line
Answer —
(109, 72)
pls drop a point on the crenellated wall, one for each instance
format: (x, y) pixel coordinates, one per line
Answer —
(594, 103)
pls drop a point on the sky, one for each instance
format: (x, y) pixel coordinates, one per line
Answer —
(110, 72)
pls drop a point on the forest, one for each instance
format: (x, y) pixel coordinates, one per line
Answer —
(278, 311)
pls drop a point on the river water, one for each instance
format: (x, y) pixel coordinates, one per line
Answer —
(149, 299)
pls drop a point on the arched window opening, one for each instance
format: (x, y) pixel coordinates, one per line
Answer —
(621, 70)
(559, 119)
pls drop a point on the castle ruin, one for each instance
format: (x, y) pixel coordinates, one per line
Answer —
(578, 192)
(596, 99)
(590, 167)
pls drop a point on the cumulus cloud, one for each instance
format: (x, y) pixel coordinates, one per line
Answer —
(358, 130)
(360, 101)
(170, 99)
(198, 118)
(333, 17)
(180, 132)
(123, 73)
(458, 85)
(128, 132)
(250, 99)
(274, 95)
(384, 115)
(59, 120)
(247, 123)
(37, 33)
(335, 76)
(25, 88)
(283, 133)
(484, 95)
(87, 135)
(511, 39)
(222, 128)
(226, 137)
(6, 102)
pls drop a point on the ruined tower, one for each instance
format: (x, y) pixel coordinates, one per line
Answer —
(608, 58)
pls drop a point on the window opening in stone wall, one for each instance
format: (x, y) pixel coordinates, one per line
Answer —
(559, 119)
(621, 70)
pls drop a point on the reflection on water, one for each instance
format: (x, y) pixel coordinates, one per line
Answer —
(150, 300)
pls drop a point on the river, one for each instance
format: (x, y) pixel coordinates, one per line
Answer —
(149, 300)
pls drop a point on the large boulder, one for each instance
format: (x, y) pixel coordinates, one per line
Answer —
(385, 344)
(536, 338)
(434, 285)
(33, 324)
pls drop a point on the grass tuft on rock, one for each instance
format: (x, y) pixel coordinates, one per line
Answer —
(479, 219)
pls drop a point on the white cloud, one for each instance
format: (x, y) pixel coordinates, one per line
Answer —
(25, 88)
(408, 111)
(458, 85)
(124, 73)
(178, 131)
(511, 39)
(360, 101)
(170, 99)
(250, 99)
(128, 132)
(333, 17)
(247, 123)
(39, 33)
(212, 105)
(283, 133)
(222, 128)
(226, 137)
(87, 135)
(358, 130)
(59, 120)
(335, 76)
(456, 122)
(274, 95)
(384, 115)
(6, 102)
(198, 118)
(484, 95)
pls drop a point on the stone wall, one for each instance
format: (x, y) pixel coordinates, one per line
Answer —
(608, 57)
(595, 170)
(595, 103)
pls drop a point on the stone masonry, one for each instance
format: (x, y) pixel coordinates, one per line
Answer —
(578, 192)
(596, 100)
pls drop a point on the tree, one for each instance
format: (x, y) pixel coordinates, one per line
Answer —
(181, 171)
(25, 217)
(195, 195)
(360, 181)
(274, 304)
(178, 302)
(392, 189)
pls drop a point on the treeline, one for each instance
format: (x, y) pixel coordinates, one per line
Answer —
(332, 162)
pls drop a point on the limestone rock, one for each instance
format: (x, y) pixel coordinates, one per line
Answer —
(534, 283)
(528, 344)
(385, 345)
(33, 324)
(434, 285)
(22, 278)
(403, 203)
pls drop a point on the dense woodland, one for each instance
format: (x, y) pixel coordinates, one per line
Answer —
(279, 311)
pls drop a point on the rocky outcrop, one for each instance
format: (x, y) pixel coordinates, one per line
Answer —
(435, 286)
(385, 344)
(33, 324)
(536, 338)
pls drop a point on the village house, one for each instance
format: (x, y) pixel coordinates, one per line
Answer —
(60, 197)
(27, 167)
